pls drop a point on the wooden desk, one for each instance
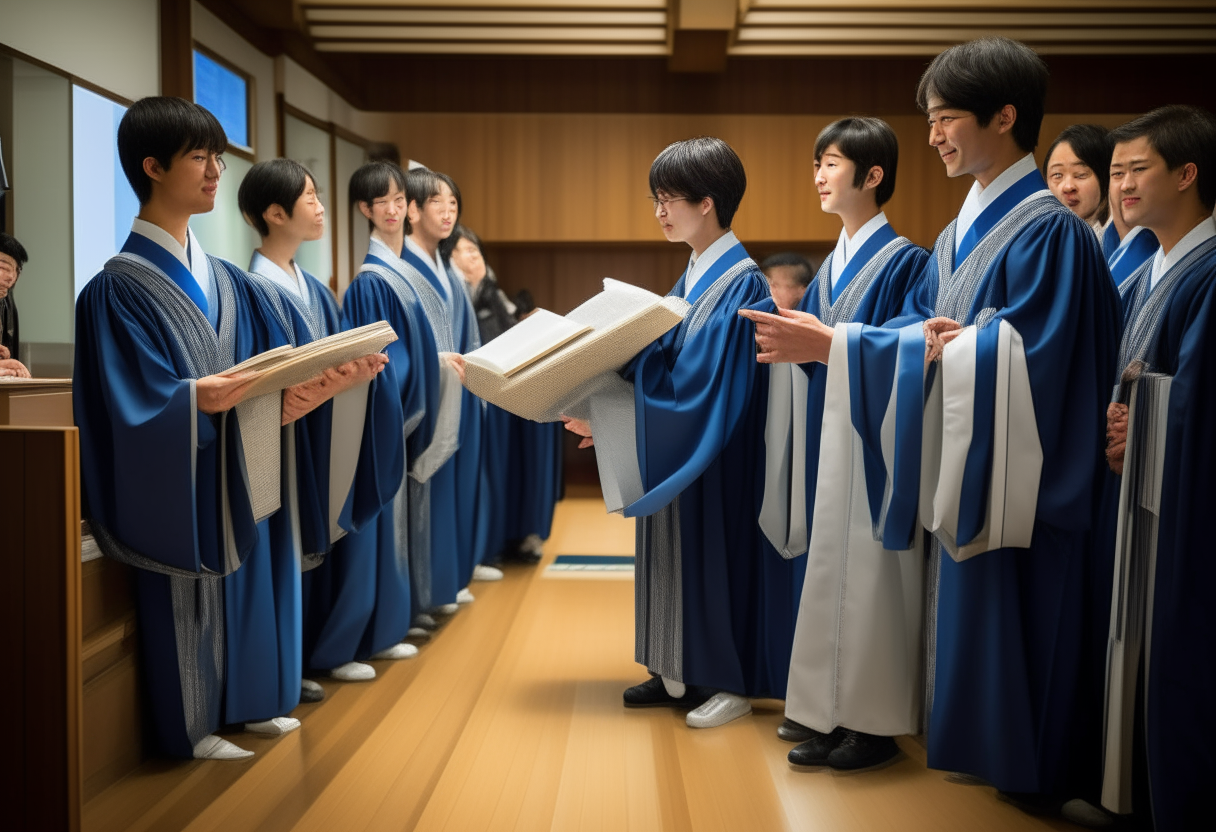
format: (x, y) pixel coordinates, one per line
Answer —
(36, 402)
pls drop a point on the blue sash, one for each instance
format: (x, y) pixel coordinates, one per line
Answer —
(872, 246)
(1110, 242)
(427, 270)
(141, 246)
(1126, 259)
(720, 266)
(994, 213)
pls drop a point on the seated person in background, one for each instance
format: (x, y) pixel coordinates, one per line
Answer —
(788, 275)
(12, 260)
(1077, 170)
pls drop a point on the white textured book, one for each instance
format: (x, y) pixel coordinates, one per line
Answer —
(547, 362)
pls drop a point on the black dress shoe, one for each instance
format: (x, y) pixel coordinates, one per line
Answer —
(814, 752)
(653, 694)
(858, 752)
(791, 731)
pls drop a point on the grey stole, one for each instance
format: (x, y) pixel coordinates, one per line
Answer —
(197, 600)
(658, 589)
(412, 504)
(1148, 304)
(956, 295)
(845, 307)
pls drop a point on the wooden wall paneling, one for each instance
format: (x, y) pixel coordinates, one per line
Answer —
(40, 519)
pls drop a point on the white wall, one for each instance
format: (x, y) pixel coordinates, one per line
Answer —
(112, 43)
(214, 34)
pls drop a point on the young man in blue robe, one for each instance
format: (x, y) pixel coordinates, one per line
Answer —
(457, 508)
(360, 468)
(163, 469)
(855, 671)
(362, 597)
(1162, 669)
(684, 425)
(1000, 458)
(1125, 247)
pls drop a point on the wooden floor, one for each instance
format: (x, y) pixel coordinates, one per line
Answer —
(511, 719)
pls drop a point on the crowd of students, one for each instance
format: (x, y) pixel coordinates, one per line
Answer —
(892, 501)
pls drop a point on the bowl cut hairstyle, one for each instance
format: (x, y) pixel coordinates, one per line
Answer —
(803, 271)
(12, 247)
(423, 183)
(1179, 134)
(372, 181)
(275, 182)
(982, 76)
(697, 168)
(1092, 144)
(162, 127)
(868, 143)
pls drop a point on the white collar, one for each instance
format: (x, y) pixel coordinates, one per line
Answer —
(261, 264)
(979, 197)
(847, 247)
(1163, 262)
(195, 261)
(435, 262)
(698, 265)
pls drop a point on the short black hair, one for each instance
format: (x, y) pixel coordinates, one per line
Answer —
(699, 168)
(868, 143)
(803, 272)
(274, 182)
(460, 232)
(1092, 145)
(163, 126)
(9, 245)
(374, 180)
(982, 76)
(1179, 133)
(423, 183)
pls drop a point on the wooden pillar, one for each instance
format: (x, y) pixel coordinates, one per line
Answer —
(40, 771)
(176, 49)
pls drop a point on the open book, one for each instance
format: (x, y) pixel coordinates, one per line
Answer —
(538, 370)
(261, 408)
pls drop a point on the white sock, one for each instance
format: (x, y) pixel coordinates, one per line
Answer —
(674, 689)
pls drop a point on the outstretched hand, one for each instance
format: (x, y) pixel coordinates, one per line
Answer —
(938, 333)
(579, 427)
(456, 361)
(790, 336)
(301, 399)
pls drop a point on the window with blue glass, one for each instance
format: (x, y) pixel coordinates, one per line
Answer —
(226, 94)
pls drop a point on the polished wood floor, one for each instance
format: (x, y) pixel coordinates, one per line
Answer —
(511, 719)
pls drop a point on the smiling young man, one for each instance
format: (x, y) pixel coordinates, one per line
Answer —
(163, 473)
(1025, 318)
(1164, 171)
(855, 671)
(680, 432)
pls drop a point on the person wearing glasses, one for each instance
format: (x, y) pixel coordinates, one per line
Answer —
(12, 260)
(161, 461)
(681, 430)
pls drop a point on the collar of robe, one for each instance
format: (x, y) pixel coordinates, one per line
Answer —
(141, 246)
(1027, 186)
(424, 268)
(731, 257)
(1128, 258)
(874, 244)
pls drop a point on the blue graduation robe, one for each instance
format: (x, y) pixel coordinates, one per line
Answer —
(1180, 724)
(1007, 629)
(360, 601)
(1130, 254)
(856, 658)
(711, 595)
(458, 514)
(534, 477)
(162, 483)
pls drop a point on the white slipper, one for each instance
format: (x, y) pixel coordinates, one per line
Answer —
(425, 622)
(397, 651)
(464, 596)
(532, 543)
(418, 632)
(275, 727)
(448, 609)
(353, 672)
(481, 572)
(212, 747)
(310, 691)
(720, 709)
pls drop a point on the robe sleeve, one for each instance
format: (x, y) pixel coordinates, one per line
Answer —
(154, 468)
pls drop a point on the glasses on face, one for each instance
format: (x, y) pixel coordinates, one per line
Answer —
(204, 159)
(665, 201)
